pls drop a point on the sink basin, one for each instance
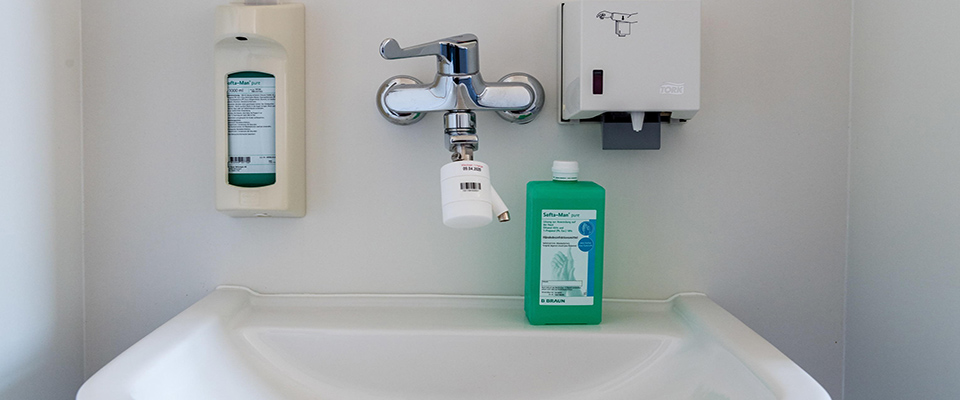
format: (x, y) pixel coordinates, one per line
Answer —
(238, 344)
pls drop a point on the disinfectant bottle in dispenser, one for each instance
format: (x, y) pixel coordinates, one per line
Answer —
(259, 107)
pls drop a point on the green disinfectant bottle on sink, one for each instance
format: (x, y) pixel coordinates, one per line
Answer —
(564, 248)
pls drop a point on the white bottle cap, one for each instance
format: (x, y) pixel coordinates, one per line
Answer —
(565, 170)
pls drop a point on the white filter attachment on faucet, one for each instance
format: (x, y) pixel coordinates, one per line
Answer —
(469, 200)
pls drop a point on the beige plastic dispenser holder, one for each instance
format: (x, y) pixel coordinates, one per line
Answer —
(268, 39)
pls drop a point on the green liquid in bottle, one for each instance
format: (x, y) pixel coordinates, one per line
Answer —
(564, 251)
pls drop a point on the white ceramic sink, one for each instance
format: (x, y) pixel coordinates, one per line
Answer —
(237, 344)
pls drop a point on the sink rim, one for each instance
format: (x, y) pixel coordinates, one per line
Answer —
(777, 372)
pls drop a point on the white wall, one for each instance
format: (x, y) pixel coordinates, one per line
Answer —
(903, 301)
(747, 202)
(41, 333)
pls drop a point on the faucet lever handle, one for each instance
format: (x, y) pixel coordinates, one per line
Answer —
(455, 55)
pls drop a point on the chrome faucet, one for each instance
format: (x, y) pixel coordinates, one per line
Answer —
(457, 89)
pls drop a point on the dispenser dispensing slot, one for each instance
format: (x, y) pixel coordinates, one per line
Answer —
(619, 131)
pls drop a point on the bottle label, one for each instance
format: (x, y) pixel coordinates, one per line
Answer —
(251, 124)
(567, 251)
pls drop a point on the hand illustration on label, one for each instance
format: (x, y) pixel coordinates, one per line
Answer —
(563, 270)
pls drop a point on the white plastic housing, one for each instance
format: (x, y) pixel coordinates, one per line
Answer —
(648, 52)
(468, 198)
(274, 44)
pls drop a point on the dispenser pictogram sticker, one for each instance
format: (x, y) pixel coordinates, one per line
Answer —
(621, 21)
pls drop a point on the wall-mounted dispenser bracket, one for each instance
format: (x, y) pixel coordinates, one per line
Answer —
(629, 66)
(259, 83)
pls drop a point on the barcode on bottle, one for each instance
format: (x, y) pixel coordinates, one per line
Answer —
(470, 186)
(240, 160)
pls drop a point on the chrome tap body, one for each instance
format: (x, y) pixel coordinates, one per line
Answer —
(458, 89)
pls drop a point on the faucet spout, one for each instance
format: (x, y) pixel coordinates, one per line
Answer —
(499, 207)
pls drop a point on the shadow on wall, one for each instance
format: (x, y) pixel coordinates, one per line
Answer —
(40, 231)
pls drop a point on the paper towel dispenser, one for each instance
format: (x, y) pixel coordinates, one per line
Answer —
(629, 65)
